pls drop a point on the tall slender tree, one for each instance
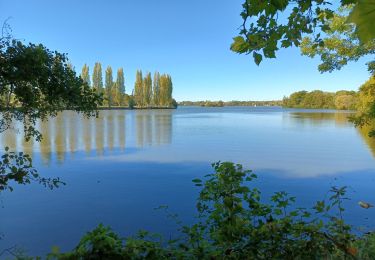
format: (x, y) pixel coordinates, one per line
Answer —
(85, 74)
(163, 90)
(97, 78)
(169, 90)
(109, 84)
(138, 89)
(147, 90)
(120, 80)
(119, 87)
(156, 89)
(166, 89)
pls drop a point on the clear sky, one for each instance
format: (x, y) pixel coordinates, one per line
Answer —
(188, 39)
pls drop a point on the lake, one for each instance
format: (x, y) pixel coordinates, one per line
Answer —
(121, 166)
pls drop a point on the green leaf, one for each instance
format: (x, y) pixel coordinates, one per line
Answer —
(239, 45)
(257, 58)
(363, 16)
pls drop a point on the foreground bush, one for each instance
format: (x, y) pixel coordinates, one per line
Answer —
(235, 223)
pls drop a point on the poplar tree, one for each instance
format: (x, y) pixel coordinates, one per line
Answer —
(85, 76)
(120, 81)
(120, 87)
(156, 89)
(163, 90)
(169, 90)
(109, 84)
(97, 78)
(147, 90)
(138, 89)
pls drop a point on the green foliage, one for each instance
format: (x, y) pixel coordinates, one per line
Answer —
(324, 100)
(340, 44)
(345, 101)
(166, 89)
(212, 104)
(138, 89)
(366, 105)
(147, 93)
(147, 90)
(156, 89)
(130, 101)
(36, 82)
(120, 88)
(101, 243)
(366, 246)
(97, 78)
(271, 25)
(18, 168)
(85, 75)
(120, 80)
(153, 94)
(363, 16)
(235, 222)
(231, 103)
(109, 85)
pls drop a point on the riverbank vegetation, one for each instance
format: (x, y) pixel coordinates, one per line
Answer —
(147, 93)
(362, 102)
(345, 100)
(220, 103)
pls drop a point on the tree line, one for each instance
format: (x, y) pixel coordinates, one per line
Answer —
(343, 100)
(147, 93)
(221, 103)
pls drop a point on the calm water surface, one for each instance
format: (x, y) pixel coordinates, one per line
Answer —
(122, 165)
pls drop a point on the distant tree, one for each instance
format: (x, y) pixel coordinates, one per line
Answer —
(166, 88)
(325, 100)
(147, 89)
(156, 89)
(345, 101)
(109, 84)
(169, 90)
(163, 90)
(295, 99)
(138, 89)
(97, 78)
(120, 80)
(116, 95)
(85, 75)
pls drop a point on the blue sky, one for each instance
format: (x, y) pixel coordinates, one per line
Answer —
(188, 39)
